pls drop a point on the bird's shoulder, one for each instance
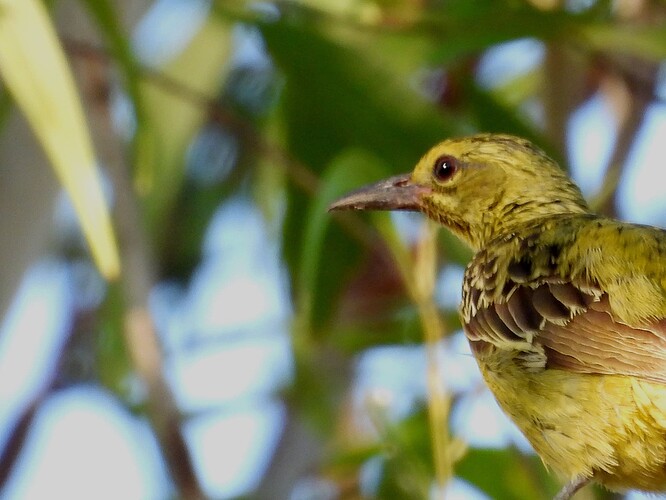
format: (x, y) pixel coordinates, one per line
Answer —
(626, 261)
(568, 285)
(595, 254)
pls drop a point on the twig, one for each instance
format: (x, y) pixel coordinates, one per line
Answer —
(642, 93)
(419, 275)
(12, 449)
(299, 174)
(67, 371)
(137, 279)
(439, 401)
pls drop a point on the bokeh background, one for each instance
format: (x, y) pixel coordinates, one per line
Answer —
(256, 346)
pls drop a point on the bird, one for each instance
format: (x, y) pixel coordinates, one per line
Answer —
(564, 309)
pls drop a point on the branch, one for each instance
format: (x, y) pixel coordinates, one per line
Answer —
(299, 174)
(68, 370)
(10, 453)
(640, 82)
(137, 279)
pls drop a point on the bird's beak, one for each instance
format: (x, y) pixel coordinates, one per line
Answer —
(395, 193)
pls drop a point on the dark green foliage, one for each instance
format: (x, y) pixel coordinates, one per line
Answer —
(329, 108)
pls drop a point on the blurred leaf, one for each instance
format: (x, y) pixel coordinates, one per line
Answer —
(192, 209)
(646, 42)
(335, 98)
(464, 27)
(328, 258)
(5, 105)
(495, 116)
(453, 251)
(321, 280)
(269, 184)
(408, 470)
(105, 14)
(112, 359)
(349, 101)
(174, 113)
(36, 73)
(402, 327)
(519, 88)
(506, 473)
(355, 457)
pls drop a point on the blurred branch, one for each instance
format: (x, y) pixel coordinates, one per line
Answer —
(419, 273)
(74, 364)
(12, 449)
(639, 85)
(298, 173)
(439, 401)
(137, 280)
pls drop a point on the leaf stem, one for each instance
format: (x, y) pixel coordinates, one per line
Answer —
(418, 272)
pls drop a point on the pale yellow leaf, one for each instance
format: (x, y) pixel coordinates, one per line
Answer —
(35, 71)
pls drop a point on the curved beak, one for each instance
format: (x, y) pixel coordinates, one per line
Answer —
(395, 193)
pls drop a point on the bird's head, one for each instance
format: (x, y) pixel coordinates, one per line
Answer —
(479, 187)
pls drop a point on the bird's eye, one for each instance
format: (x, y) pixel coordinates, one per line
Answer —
(444, 168)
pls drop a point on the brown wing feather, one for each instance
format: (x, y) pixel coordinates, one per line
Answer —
(576, 330)
(592, 342)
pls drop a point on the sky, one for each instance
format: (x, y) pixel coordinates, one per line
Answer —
(237, 303)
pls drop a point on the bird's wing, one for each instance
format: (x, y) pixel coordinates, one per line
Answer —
(593, 342)
(567, 323)
(571, 335)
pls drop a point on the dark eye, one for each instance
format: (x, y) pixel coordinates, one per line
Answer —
(444, 168)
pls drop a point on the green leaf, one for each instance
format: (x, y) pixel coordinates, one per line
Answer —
(645, 42)
(506, 473)
(335, 99)
(408, 470)
(494, 116)
(175, 117)
(327, 251)
(112, 360)
(464, 28)
(104, 12)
